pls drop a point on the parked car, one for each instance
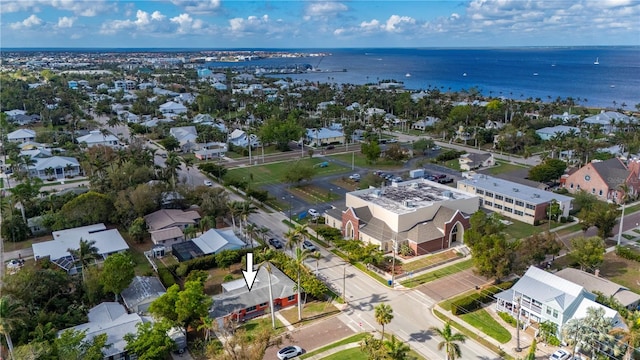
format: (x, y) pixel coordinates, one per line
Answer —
(392, 141)
(208, 182)
(560, 355)
(355, 177)
(289, 352)
(445, 180)
(430, 178)
(308, 245)
(330, 147)
(313, 212)
(440, 176)
(397, 179)
(436, 148)
(276, 243)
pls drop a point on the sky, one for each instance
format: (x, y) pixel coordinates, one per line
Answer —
(218, 24)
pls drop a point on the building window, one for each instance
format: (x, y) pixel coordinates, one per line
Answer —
(531, 207)
(548, 311)
(251, 308)
(518, 212)
(593, 190)
(578, 187)
(497, 206)
(527, 214)
(263, 304)
(571, 186)
(600, 193)
(519, 203)
(555, 314)
(498, 197)
(290, 298)
(507, 209)
(509, 200)
(488, 203)
(480, 192)
(489, 194)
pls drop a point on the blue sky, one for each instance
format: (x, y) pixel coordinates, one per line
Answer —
(317, 24)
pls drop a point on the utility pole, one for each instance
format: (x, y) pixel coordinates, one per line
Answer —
(393, 263)
(518, 348)
(621, 219)
(344, 283)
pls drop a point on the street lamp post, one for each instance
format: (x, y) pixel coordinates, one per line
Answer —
(344, 283)
(393, 263)
(518, 348)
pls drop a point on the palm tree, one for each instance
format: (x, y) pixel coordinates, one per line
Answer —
(208, 325)
(246, 209)
(384, 315)
(630, 337)
(48, 172)
(316, 256)
(396, 349)
(190, 231)
(28, 162)
(67, 168)
(234, 210)
(251, 230)
(12, 315)
(300, 256)
(172, 164)
(85, 253)
(268, 254)
(450, 341)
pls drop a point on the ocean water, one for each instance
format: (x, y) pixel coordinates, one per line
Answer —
(518, 73)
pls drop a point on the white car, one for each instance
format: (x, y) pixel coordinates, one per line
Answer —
(289, 352)
(355, 177)
(208, 182)
(313, 212)
(560, 355)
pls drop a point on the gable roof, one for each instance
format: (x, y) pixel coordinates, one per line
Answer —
(548, 288)
(96, 137)
(164, 218)
(21, 134)
(173, 232)
(612, 171)
(142, 289)
(112, 319)
(214, 241)
(55, 162)
(236, 297)
(106, 241)
(596, 283)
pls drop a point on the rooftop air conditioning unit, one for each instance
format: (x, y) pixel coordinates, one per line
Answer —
(516, 189)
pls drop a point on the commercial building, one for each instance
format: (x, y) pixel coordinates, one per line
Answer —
(423, 214)
(513, 200)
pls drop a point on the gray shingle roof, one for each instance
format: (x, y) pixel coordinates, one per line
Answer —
(142, 289)
(612, 171)
(596, 283)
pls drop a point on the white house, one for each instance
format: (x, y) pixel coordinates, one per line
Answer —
(609, 120)
(551, 131)
(57, 167)
(171, 107)
(107, 241)
(216, 240)
(239, 138)
(96, 137)
(424, 123)
(323, 136)
(22, 135)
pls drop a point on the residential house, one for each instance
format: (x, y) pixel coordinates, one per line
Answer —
(36, 226)
(513, 200)
(172, 221)
(610, 121)
(239, 138)
(112, 319)
(97, 137)
(472, 161)
(216, 240)
(211, 151)
(55, 167)
(565, 117)
(493, 125)
(142, 291)
(323, 136)
(604, 178)
(107, 241)
(463, 135)
(24, 120)
(236, 303)
(595, 283)
(541, 296)
(171, 107)
(22, 135)
(556, 131)
(186, 136)
(425, 123)
(423, 214)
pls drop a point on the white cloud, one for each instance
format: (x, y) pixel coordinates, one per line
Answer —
(324, 9)
(257, 25)
(186, 24)
(29, 23)
(370, 25)
(198, 6)
(66, 22)
(78, 7)
(152, 24)
(397, 23)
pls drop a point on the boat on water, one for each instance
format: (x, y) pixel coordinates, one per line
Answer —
(407, 75)
(464, 74)
(597, 62)
(535, 74)
(612, 86)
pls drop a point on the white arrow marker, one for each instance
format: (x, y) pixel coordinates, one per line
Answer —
(249, 274)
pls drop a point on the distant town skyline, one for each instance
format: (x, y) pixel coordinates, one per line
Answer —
(317, 24)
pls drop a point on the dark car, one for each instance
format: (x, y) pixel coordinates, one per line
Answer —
(440, 176)
(430, 178)
(446, 180)
(276, 243)
(330, 147)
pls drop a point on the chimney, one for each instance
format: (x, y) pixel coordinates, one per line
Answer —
(597, 273)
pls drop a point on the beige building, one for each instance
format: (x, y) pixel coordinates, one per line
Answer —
(423, 214)
(513, 200)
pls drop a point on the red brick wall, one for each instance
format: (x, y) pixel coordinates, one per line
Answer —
(281, 302)
(595, 181)
(350, 216)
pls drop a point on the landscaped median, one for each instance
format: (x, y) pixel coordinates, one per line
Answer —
(437, 274)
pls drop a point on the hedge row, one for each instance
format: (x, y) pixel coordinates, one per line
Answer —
(627, 253)
(508, 318)
(209, 261)
(476, 300)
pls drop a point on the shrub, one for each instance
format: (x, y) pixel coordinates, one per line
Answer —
(561, 191)
(476, 300)
(627, 253)
(166, 277)
(508, 318)
(449, 155)
(405, 250)
(260, 195)
(553, 341)
(563, 219)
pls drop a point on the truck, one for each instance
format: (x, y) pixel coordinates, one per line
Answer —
(416, 173)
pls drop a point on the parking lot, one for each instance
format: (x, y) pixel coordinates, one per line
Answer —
(453, 285)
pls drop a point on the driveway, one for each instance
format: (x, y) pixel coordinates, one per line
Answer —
(453, 285)
(316, 335)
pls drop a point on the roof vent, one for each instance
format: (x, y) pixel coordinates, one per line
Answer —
(447, 194)
(516, 189)
(495, 184)
(536, 195)
(407, 203)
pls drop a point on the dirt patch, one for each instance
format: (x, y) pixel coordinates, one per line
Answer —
(453, 285)
(346, 184)
(216, 277)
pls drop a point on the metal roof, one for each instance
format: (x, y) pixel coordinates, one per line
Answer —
(517, 191)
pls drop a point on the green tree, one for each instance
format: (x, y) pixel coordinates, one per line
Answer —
(590, 333)
(192, 303)
(117, 273)
(280, 132)
(297, 172)
(450, 341)
(396, 349)
(548, 331)
(372, 347)
(164, 307)
(11, 316)
(150, 342)
(383, 315)
(137, 229)
(226, 258)
(531, 355)
(630, 337)
(371, 151)
(601, 215)
(299, 258)
(422, 145)
(86, 253)
(549, 170)
(170, 143)
(14, 228)
(72, 345)
(588, 252)
(86, 209)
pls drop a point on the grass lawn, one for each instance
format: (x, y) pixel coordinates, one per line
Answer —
(272, 173)
(11, 246)
(628, 237)
(437, 274)
(313, 194)
(621, 271)
(631, 209)
(637, 231)
(481, 320)
(310, 312)
(429, 260)
(216, 277)
(258, 324)
(452, 164)
(569, 229)
(349, 354)
(347, 340)
(519, 229)
(502, 167)
(360, 161)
